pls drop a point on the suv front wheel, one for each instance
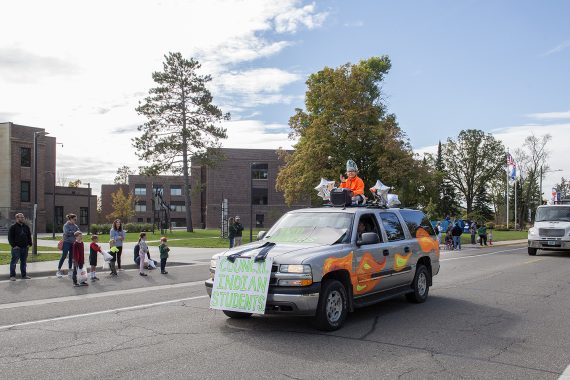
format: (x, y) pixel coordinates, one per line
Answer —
(333, 306)
(420, 285)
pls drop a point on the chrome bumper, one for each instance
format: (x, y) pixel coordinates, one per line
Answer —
(287, 300)
(555, 244)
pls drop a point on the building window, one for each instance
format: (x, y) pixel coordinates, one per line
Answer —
(26, 157)
(140, 189)
(140, 220)
(259, 196)
(83, 216)
(25, 191)
(158, 188)
(177, 207)
(259, 220)
(148, 220)
(58, 215)
(175, 190)
(259, 171)
(140, 206)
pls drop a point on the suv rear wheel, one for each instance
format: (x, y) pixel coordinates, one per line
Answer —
(420, 285)
(532, 251)
(236, 314)
(333, 306)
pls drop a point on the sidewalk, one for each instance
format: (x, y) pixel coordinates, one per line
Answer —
(178, 256)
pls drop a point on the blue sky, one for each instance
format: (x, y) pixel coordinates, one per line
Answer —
(499, 66)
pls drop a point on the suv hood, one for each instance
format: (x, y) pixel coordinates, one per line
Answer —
(292, 253)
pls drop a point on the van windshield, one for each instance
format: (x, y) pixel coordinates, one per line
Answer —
(553, 214)
(307, 227)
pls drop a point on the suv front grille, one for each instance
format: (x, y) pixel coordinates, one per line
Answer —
(551, 232)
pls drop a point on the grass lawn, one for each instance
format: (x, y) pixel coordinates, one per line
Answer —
(498, 236)
(6, 256)
(177, 238)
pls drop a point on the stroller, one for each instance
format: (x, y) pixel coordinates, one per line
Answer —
(449, 242)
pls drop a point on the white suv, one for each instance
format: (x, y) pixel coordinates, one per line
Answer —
(551, 229)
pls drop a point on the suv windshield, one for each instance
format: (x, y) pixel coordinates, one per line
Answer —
(554, 213)
(307, 227)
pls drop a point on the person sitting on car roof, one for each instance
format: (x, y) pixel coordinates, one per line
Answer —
(353, 182)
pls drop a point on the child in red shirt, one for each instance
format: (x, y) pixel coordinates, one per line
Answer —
(78, 257)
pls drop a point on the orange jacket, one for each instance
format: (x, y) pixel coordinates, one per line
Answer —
(355, 184)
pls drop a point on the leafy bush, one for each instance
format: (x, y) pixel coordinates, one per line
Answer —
(501, 227)
(138, 227)
(101, 229)
(490, 225)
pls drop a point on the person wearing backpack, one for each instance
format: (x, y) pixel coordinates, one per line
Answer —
(456, 233)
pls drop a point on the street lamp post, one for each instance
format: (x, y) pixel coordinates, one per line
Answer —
(35, 212)
(542, 172)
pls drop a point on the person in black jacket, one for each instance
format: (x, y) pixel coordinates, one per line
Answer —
(238, 229)
(20, 238)
(456, 233)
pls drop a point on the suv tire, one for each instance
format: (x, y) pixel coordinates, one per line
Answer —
(419, 285)
(532, 251)
(333, 306)
(236, 314)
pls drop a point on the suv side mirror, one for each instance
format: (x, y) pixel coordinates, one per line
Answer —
(261, 235)
(368, 238)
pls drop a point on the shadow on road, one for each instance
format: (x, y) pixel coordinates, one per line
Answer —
(441, 325)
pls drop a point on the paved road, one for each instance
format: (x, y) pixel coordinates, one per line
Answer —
(495, 313)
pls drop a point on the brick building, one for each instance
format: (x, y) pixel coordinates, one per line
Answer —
(246, 178)
(17, 187)
(143, 188)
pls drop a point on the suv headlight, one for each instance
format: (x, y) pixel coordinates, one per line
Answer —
(297, 268)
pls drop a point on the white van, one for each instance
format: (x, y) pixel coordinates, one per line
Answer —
(551, 229)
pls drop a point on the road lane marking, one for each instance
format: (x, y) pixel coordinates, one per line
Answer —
(566, 374)
(47, 301)
(101, 312)
(483, 254)
(532, 261)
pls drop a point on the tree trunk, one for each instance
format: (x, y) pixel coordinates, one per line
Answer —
(185, 174)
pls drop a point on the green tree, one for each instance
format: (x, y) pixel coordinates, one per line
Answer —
(123, 174)
(75, 183)
(472, 161)
(123, 206)
(182, 122)
(344, 118)
(563, 187)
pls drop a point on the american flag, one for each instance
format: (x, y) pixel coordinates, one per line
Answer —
(511, 167)
(510, 160)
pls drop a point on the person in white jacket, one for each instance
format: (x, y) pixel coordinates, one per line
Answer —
(143, 250)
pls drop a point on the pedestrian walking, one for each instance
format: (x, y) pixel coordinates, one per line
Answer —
(69, 229)
(94, 250)
(78, 254)
(482, 231)
(143, 250)
(473, 231)
(20, 239)
(119, 235)
(163, 248)
(239, 228)
(231, 231)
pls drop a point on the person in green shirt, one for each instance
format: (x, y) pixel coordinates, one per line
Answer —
(163, 248)
(482, 231)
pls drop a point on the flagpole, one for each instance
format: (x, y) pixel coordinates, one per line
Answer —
(515, 203)
(507, 187)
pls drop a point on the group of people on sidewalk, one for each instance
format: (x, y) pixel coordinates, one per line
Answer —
(72, 248)
(452, 236)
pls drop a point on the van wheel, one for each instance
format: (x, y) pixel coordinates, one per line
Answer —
(236, 314)
(532, 251)
(419, 285)
(333, 306)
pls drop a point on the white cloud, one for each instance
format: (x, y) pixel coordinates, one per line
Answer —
(79, 69)
(257, 135)
(550, 115)
(557, 49)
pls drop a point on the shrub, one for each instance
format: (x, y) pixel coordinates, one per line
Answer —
(501, 227)
(490, 225)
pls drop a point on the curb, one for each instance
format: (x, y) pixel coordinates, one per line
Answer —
(51, 273)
